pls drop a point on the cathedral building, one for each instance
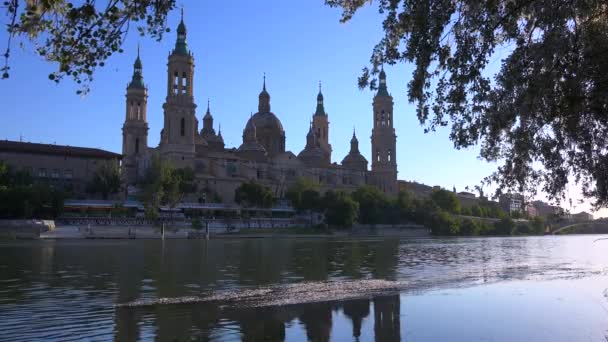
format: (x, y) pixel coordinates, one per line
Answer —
(261, 156)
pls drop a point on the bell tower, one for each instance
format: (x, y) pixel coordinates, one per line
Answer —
(180, 123)
(135, 127)
(384, 141)
(320, 124)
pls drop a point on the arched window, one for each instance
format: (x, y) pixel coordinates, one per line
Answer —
(138, 111)
(136, 145)
(130, 111)
(389, 155)
(184, 83)
(175, 83)
(377, 155)
(182, 127)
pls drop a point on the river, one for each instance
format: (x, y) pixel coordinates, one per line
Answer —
(551, 288)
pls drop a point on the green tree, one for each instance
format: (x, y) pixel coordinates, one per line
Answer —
(372, 204)
(253, 194)
(546, 105)
(105, 181)
(504, 227)
(295, 191)
(165, 185)
(21, 198)
(446, 200)
(340, 209)
(81, 36)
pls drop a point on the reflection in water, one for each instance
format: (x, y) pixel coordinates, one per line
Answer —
(67, 289)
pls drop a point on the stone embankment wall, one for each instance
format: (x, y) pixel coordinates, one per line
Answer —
(397, 230)
(25, 229)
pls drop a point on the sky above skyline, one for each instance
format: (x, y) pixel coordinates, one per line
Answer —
(297, 43)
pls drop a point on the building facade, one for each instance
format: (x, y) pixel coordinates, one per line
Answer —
(66, 167)
(262, 155)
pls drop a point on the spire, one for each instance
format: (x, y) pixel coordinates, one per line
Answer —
(382, 91)
(137, 80)
(264, 99)
(249, 133)
(181, 47)
(208, 113)
(219, 130)
(354, 143)
(320, 108)
(311, 137)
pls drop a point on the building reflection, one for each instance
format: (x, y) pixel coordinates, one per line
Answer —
(356, 310)
(387, 323)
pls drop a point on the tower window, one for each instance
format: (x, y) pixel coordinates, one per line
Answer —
(138, 111)
(136, 145)
(184, 82)
(377, 155)
(183, 127)
(389, 155)
(175, 83)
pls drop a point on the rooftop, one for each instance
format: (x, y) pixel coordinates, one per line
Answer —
(59, 150)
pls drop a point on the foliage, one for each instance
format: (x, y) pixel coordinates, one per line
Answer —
(504, 227)
(546, 105)
(373, 203)
(252, 194)
(20, 197)
(165, 185)
(197, 223)
(340, 209)
(81, 37)
(446, 200)
(301, 194)
(105, 181)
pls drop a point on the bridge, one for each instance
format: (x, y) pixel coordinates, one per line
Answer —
(601, 223)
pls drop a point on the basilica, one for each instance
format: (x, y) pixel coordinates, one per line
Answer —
(261, 156)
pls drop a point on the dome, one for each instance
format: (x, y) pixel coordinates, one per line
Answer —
(266, 121)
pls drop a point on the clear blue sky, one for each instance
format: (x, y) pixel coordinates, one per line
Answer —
(296, 43)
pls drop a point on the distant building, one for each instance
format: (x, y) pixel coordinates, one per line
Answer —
(511, 203)
(467, 199)
(531, 210)
(262, 156)
(465, 194)
(67, 167)
(416, 189)
(582, 217)
(546, 210)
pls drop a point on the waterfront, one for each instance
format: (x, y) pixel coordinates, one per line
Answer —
(469, 289)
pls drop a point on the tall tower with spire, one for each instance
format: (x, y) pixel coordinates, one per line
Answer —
(320, 124)
(384, 141)
(180, 124)
(135, 127)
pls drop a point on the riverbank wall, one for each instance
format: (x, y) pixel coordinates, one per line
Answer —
(25, 229)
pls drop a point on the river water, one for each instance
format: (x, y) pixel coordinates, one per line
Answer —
(470, 289)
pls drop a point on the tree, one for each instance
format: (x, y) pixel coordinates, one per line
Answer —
(165, 185)
(546, 105)
(81, 37)
(372, 204)
(340, 209)
(105, 181)
(295, 191)
(446, 200)
(253, 194)
(504, 227)
(20, 197)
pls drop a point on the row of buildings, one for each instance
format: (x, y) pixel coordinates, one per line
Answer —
(261, 156)
(512, 203)
(219, 169)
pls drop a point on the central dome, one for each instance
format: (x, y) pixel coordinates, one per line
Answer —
(267, 121)
(269, 132)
